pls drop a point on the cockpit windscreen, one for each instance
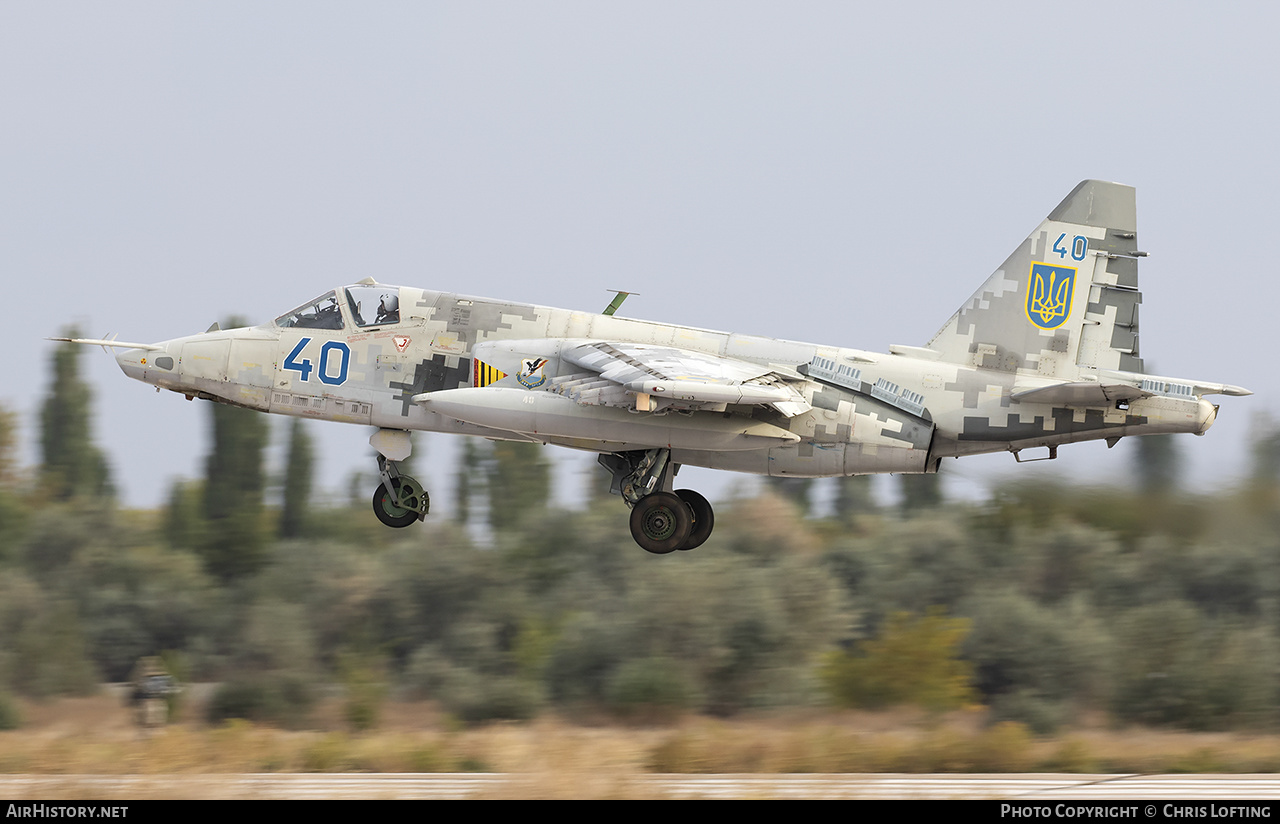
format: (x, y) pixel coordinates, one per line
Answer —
(321, 313)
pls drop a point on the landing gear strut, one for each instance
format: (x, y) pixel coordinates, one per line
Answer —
(662, 519)
(399, 500)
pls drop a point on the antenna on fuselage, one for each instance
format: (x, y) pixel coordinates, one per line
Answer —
(619, 297)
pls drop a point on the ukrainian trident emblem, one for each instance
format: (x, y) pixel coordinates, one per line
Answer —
(1049, 294)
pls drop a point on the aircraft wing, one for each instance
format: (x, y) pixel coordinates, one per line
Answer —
(649, 377)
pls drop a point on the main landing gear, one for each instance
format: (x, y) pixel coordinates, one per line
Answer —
(662, 520)
(399, 500)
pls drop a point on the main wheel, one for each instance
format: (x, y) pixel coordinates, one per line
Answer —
(661, 522)
(387, 506)
(704, 519)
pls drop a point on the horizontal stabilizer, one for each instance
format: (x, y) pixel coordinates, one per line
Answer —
(1081, 393)
(1177, 387)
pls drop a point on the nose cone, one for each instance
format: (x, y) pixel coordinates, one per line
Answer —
(151, 365)
(131, 362)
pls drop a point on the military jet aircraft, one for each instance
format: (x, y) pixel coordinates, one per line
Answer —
(1043, 354)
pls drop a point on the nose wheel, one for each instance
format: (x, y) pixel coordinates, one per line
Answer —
(403, 504)
(399, 500)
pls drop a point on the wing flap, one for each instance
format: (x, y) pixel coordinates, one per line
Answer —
(663, 376)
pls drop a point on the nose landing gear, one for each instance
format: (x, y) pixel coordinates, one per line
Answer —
(399, 500)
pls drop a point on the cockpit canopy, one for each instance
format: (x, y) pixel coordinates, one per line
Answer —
(367, 305)
(321, 313)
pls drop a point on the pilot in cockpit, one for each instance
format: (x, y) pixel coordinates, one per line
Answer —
(389, 309)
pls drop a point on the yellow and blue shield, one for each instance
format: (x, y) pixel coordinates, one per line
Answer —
(1049, 294)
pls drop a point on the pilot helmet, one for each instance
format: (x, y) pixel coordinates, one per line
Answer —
(390, 303)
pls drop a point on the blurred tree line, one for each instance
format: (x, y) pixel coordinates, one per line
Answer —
(1145, 603)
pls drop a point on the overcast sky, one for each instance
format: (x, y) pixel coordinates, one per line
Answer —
(844, 173)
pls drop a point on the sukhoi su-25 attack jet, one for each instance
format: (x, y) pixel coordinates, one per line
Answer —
(1045, 353)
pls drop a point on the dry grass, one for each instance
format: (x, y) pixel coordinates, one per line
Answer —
(97, 736)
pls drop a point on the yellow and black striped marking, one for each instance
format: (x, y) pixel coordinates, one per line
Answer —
(486, 374)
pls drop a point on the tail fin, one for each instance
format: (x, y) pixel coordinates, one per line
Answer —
(1065, 300)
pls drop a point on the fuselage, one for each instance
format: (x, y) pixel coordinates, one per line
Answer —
(334, 359)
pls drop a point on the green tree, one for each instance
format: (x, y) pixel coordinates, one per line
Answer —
(12, 513)
(650, 688)
(71, 465)
(796, 490)
(1175, 668)
(42, 643)
(136, 599)
(1265, 437)
(853, 497)
(364, 675)
(1158, 461)
(8, 448)
(470, 478)
(235, 542)
(921, 491)
(273, 670)
(297, 482)
(913, 564)
(1030, 660)
(183, 522)
(914, 661)
(519, 476)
